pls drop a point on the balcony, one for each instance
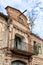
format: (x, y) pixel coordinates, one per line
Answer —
(22, 49)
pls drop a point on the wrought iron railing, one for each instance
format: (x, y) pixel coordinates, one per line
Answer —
(22, 46)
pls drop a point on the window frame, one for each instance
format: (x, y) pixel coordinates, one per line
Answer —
(39, 44)
(20, 19)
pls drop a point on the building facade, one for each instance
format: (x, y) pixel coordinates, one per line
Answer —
(17, 41)
(37, 59)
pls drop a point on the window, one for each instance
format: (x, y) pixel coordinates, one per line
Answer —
(40, 51)
(17, 63)
(20, 19)
(17, 42)
(37, 47)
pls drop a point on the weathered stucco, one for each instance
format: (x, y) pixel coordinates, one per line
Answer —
(8, 30)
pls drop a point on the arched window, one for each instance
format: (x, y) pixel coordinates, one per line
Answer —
(17, 63)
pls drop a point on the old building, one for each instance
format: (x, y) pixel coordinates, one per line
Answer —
(37, 59)
(17, 41)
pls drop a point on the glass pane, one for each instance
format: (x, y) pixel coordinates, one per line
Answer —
(14, 63)
(20, 19)
(17, 43)
(17, 63)
(40, 51)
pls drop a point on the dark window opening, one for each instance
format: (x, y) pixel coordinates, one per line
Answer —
(37, 47)
(17, 42)
(18, 63)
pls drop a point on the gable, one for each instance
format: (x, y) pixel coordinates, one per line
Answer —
(14, 13)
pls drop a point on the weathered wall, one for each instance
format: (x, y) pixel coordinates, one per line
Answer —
(3, 33)
(14, 13)
(37, 59)
(13, 31)
(9, 35)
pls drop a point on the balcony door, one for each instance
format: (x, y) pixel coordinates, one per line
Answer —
(18, 42)
(18, 63)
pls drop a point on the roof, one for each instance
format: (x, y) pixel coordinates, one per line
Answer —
(17, 10)
(4, 16)
(36, 36)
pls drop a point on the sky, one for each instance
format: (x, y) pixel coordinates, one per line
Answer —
(32, 6)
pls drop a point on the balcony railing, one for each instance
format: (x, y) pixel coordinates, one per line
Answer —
(23, 47)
